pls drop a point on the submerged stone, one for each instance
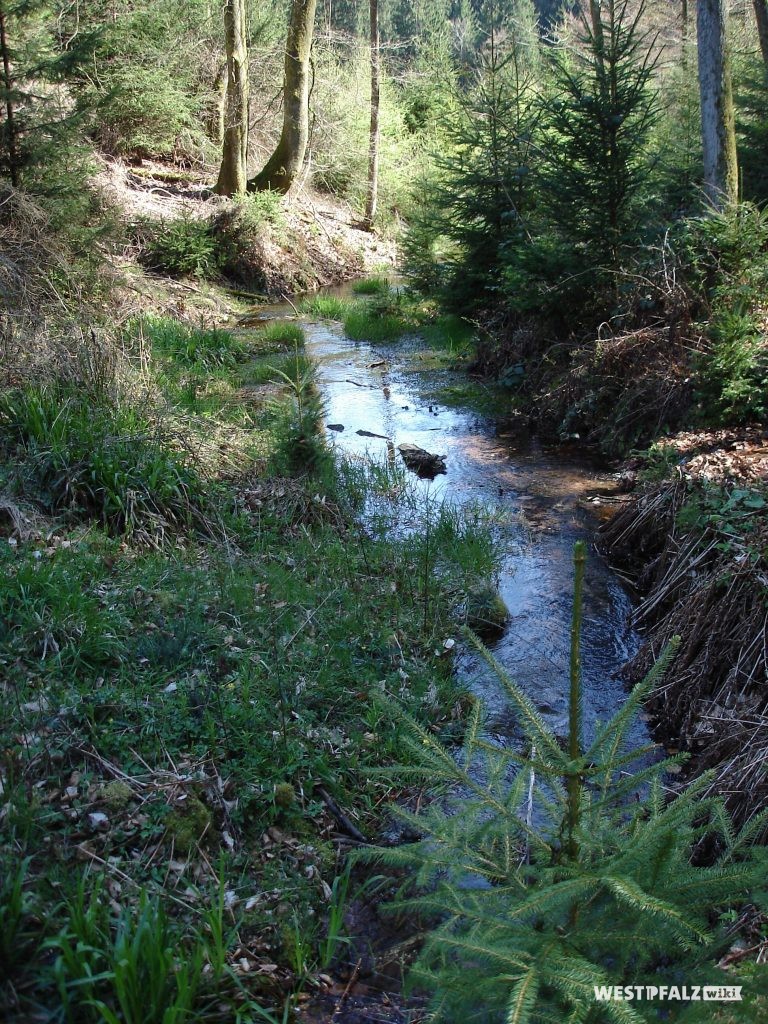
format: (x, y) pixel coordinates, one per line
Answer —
(422, 462)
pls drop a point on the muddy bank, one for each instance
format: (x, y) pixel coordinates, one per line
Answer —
(694, 549)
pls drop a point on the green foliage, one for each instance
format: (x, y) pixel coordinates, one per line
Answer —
(50, 611)
(326, 307)
(600, 109)
(201, 348)
(724, 257)
(142, 967)
(79, 455)
(382, 317)
(369, 325)
(255, 209)
(302, 445)
(281, 334)
(146, 98)
(732, 514)
(371, 286)
(15, 942)
(182, 246)
(751, 95)
(482, 193)
(565, 868)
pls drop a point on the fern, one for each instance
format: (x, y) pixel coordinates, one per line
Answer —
(559, 871)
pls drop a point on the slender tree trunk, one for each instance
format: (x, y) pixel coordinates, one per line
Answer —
(761, 16)
(373, 148)
(10, 114)
(233, 176)
(596, 19)
(684, 22)
(284, 166)
(718, 129)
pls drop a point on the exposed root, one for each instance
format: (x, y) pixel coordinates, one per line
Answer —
(714, 703)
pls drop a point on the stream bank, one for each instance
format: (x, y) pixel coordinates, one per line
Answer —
(541, 500)
(693, 547)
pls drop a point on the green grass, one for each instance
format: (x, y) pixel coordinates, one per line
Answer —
(76, 454)
(280, 334)
(372, 286)
(268, 369)
(203, 348)
(449, 332)
(364, 324)
(171, 703)
(326, 307)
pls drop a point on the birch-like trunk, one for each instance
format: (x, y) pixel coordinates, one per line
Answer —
(718, 129)
(233, 175)
(373, 147)
(284, 166)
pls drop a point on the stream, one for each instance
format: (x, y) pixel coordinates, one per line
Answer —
(549, 498)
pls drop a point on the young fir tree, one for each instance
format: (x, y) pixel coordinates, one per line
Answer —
(600, 109)
(37, 125)
(563, 869)
(481, 194)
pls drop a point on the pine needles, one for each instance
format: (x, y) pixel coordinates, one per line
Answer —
(562, 869)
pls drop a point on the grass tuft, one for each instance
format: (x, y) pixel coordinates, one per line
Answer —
(372, 286)
(90, 460)
(371, 325)
(326, 307)
(280, 334)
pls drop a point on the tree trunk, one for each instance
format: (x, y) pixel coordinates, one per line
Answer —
(10, 114)
(285, 164)
(718, 130)
(373, 147)
(761, 16)
(233, 175)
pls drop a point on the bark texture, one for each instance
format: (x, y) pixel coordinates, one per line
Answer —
(718, 130)
(761, 16)
(284, 166)
(373, 148)
(233, 176)
(10, 116)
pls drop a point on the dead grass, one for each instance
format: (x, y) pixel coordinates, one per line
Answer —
(620, 391)
(710, 589)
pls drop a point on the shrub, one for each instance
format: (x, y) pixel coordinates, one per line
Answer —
(724, 259)
(255, 209)
(564, 869)
(301, 444)
(96, 461)
(244, 231)
(183, 246)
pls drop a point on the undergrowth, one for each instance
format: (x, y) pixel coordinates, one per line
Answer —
(182, 700)
(567, 867)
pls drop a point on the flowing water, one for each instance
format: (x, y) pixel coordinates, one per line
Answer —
(550, 497)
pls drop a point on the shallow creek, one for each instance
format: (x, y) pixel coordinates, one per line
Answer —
(547, 497)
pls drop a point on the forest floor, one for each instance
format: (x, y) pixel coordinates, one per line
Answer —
(311, 242)
(201, 651)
